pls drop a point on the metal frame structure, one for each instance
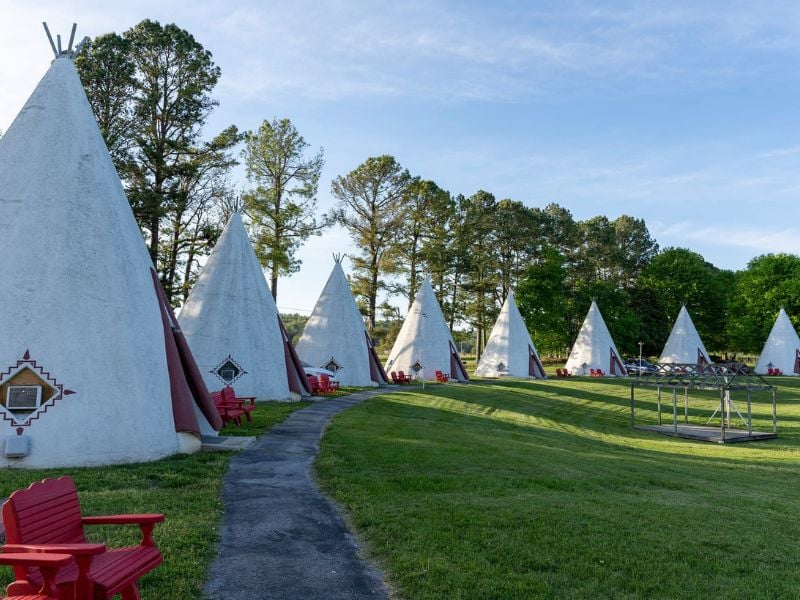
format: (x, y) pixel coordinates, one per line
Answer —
(721, 377)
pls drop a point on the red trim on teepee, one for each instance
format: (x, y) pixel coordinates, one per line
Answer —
(797, 361)
(616, 363)
(295, 373)
(183, 372)
(457, 369)
(376, 372)
(701, 358)
(535, 368)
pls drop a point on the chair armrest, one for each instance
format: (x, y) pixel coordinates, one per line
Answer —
(123, 519)
(72, 549)
(146, 523)
(34, 559)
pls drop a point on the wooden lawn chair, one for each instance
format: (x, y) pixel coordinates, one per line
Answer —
(46, 517)
(48, 565)
(314, 384)
(328, 385)
(441, 377)
(403, 378)
(229, 413)
(246, 404)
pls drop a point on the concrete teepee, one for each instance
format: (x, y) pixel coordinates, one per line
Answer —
(233, 326)
(334, 336)
(782, 349)
(424, 344)
(93, 368)
(594, 348)
(510, 350)
(684, 345)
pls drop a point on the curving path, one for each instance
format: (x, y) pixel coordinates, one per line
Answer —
(280, 536)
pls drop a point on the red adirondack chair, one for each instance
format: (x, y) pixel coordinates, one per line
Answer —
(558, 373)
(246, 404)
(46, 517)
(48, 565)
(403, 378)
(441, 377)
(229, 413)
(328, 385)
(313, 383)
(395, 380)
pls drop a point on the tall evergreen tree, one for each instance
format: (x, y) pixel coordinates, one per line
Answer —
(283, 203)
(370, 207)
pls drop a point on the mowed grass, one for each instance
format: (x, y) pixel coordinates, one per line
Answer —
(519, 489)
(185, 488)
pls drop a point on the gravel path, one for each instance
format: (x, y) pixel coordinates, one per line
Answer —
(280, 536)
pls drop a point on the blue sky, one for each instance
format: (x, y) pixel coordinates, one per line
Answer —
(686, 114)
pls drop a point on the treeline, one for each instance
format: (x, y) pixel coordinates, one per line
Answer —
(151, 90)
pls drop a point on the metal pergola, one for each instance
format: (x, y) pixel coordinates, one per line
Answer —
(723, 378)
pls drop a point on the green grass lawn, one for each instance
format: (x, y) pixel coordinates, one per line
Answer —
(541, 489)
(185, 488)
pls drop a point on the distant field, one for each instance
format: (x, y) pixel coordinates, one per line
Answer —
(541, 489)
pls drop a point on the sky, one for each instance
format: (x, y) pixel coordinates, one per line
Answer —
(683, 113)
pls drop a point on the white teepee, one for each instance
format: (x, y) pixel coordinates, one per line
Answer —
(594, 348)
(782, 349)
(424, 344)
(233, 327)
(684, 345)
(92, 369)
(334, 336)
(510, 350)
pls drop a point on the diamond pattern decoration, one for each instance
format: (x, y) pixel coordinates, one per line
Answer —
(25, 376)
(416, 367)
(229, 370)
(332, 365)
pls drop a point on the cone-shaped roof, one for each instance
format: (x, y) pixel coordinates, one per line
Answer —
(77, 293)
(594, 348)
(232, 324)
(334, 336)
(424, 344)
(510, 350)
(684, 344)
(782, 349)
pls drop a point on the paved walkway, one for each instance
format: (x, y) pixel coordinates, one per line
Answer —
(280, 536)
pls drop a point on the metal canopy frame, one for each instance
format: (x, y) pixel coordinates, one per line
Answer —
(720, 377)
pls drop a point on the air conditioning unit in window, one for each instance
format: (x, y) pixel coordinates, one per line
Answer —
(23, 397)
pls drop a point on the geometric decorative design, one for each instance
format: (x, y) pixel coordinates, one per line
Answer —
(332, 365)
(501, 367)
(27, 392)
(416, 367)
(229, 370)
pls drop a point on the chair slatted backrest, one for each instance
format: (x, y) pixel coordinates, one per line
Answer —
(228, 394)
(46, 512)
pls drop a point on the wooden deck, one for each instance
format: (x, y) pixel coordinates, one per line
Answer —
(706, 433)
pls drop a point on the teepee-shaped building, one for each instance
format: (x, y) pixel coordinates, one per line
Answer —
(334, 336)
(424, 344)
(233, 325)
(594, 348)
(782, 350)
(510, 350)
(93, 368)
(684, 345)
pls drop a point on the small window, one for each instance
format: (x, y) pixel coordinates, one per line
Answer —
(417, 367)
(332, 365)
(229, 371)
(23, 397)
(501, 367)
